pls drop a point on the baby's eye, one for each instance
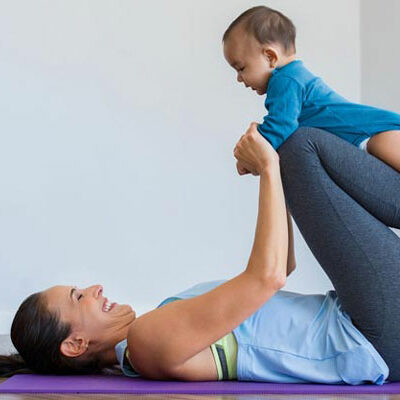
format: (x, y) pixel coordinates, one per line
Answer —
(79, 297)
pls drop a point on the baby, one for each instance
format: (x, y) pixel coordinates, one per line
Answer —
(260, 46)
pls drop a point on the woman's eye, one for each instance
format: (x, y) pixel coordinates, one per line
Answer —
(241, 69)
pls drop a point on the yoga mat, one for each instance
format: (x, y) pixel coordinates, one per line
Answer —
(121, 384)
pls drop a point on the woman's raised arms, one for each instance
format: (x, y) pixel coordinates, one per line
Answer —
(163, 340)
(244, 168)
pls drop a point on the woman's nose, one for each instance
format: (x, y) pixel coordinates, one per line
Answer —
(95, 290)
(239, 78)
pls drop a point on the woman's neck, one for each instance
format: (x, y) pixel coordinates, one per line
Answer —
(109, 358)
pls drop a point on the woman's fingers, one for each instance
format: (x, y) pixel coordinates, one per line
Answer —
(241, 169)
(252, 129)
(254, 150)
(241, 137)
(244, 168)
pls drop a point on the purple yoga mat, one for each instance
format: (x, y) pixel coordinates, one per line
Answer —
(122, 384)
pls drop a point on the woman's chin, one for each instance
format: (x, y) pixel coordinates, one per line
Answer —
(128, 311)
(118, 311)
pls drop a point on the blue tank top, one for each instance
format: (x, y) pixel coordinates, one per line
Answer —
(296, 338)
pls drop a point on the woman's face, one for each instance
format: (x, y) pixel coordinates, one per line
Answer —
(95, 326)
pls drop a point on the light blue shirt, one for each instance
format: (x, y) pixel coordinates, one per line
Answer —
(297, 338)
(296, 98)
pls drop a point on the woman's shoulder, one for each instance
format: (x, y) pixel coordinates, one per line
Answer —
(141, 336)
(194, 290)
(136, 360)
(121, 351)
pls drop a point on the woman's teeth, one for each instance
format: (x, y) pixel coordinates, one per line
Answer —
(107, 306)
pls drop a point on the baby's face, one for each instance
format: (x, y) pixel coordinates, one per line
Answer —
(246, 55)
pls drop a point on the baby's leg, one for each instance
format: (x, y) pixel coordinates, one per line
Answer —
(386, 147)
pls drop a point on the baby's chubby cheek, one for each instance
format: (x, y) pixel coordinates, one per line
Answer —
(264, 81)
(262, 88)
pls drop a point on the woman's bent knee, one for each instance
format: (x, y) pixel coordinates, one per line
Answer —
(304, 136)
(299, 144)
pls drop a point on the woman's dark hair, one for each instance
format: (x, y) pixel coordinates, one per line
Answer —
(37, 334)
(267, 26)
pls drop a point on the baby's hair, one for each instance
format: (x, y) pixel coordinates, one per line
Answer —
(267, 26)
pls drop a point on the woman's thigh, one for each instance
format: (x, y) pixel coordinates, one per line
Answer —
(342, 200)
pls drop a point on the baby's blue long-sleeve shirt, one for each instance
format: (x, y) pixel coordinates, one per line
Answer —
(296, 97)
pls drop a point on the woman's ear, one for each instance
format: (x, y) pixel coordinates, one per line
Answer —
(271, 55)
(74, 346)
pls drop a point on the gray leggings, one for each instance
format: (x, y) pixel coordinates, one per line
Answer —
(343, 200)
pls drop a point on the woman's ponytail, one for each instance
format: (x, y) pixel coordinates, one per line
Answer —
(11, 365)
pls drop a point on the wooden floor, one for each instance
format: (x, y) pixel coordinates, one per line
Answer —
(192, 397)
(6, 347)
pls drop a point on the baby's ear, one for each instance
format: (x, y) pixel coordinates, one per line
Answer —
(272, 55)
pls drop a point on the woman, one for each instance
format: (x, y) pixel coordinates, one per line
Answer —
(247, 328)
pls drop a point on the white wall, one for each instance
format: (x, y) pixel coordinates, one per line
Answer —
(380, 58)
(380, 31)
(118, 121)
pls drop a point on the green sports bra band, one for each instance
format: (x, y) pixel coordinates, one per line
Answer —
(225, 356)
(224, 352)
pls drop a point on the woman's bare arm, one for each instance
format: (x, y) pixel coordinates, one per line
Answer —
(162, 340)
(291, 260)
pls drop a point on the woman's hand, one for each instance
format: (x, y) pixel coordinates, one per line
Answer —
(254, 153)
(243, 168)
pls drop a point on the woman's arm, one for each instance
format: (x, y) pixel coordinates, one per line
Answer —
(162, 340)
(243, 169)
(291, 260)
